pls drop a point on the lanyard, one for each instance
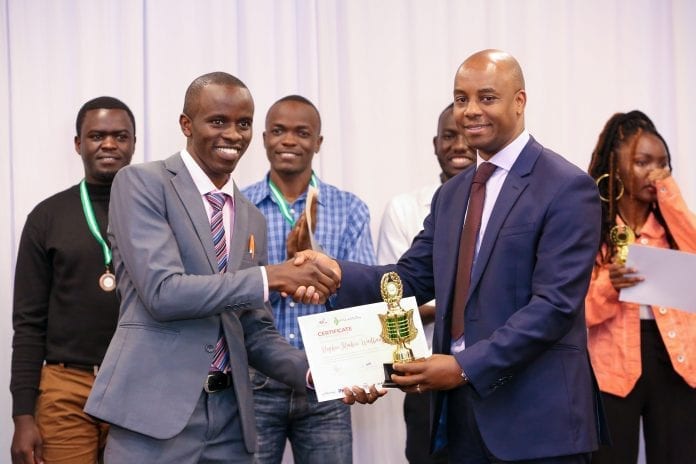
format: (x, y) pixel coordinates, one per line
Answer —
(283, 205)
(92, 222)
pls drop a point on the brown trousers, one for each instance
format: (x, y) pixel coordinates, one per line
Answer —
(69, 435)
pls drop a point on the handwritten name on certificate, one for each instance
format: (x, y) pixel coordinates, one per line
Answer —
(344, 347)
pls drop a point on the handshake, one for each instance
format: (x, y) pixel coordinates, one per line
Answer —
(308, 277)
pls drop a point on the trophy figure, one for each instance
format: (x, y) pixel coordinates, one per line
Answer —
(621, 236)
(397, 324)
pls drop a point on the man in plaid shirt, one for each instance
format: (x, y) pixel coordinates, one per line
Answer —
(318, 432)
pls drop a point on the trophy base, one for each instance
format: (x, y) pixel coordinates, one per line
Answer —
(389, 370)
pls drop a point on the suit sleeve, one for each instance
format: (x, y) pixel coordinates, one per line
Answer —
(268, 351)
(142, 214)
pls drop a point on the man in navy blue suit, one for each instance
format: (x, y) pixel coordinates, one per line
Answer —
(510, 375)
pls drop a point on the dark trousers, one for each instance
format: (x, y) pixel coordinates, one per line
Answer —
(666, 403)
(417, 417)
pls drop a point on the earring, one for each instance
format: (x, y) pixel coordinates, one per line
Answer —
(621, 188)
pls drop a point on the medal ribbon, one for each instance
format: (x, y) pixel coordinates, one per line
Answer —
(283, 205)
(92, 222)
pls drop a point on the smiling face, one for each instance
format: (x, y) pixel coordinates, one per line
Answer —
(451, 149)
(219, 130)
(489, 101)
(106, 144)
(639, 156)
(292, 137)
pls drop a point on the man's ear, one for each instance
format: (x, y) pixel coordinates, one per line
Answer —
(185, 124)
(78, 144)
(521, 100)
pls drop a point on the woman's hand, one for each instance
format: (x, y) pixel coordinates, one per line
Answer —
(622, 276)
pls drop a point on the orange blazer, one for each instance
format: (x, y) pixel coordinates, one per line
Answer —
(614, 326)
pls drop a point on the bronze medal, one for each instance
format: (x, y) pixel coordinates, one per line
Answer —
(107, 281)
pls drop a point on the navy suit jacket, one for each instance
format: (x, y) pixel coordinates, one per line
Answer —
(526, 354)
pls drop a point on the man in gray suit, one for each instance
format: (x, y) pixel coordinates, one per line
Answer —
(189, 284)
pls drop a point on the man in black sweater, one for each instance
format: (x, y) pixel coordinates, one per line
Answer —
(65, 307)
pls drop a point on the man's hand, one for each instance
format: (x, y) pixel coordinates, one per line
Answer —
(298, 238)
(438, 372)
(313, 281)
(27, 445)
(359, 395)
(320, 259)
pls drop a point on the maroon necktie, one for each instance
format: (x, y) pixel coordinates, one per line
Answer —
(467, 246)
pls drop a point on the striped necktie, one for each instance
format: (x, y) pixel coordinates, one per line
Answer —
(221, 358)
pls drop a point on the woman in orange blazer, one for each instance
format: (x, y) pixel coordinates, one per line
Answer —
(644, 356)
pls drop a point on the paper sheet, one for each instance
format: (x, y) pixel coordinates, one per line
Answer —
(669, 278)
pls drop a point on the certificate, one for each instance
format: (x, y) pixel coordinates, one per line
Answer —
(344, 347)
(668, 278)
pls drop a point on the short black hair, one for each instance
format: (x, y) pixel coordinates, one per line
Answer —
(108, 103)
(195, 87)
(299, 99)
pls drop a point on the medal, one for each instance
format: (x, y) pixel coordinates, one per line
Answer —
(107, 281)
(283, 205)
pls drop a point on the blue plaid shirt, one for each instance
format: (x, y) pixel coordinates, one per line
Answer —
(342, 230)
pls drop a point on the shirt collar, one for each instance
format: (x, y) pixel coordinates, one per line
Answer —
(266, 190)
(201, 179)
(651, 229)
(506, 157)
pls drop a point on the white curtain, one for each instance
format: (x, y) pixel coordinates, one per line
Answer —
(380, 73)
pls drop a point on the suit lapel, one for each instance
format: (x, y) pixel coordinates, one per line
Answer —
(515, 183)
(239, 241)
(453, 219)
(193, 203)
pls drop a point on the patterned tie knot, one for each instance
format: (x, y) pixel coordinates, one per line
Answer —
(484, 172)
(216, 200)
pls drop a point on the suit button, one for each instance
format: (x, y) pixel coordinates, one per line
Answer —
(671, 334)
(662, 310)
(681, 358)
(210, 348)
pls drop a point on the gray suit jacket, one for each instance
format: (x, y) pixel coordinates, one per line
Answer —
(173, 301)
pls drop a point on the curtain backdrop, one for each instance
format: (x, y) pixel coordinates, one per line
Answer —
(379, 71)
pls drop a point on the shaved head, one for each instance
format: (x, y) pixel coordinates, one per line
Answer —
(500, 61)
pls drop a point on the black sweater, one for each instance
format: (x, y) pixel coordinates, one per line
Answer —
(60, 313)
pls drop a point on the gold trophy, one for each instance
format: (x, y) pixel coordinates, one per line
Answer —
(622, 236)
(397, 325)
